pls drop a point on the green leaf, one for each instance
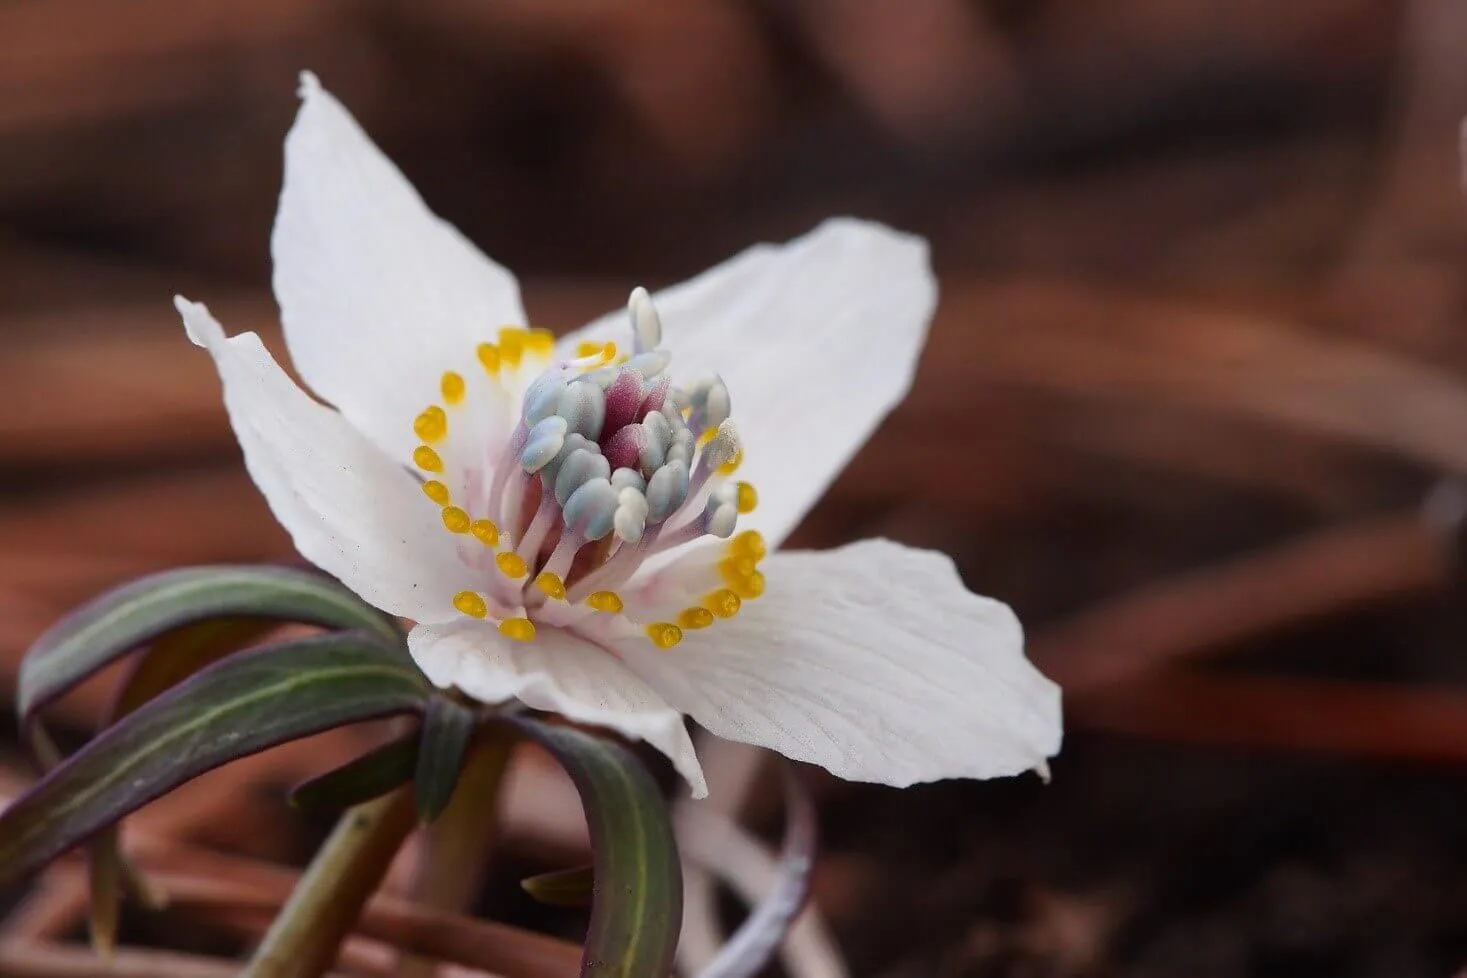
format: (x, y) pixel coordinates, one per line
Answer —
(562, 888)
(120, 620)
(448, 729)
(361, 779)
(242, 705)
(173, 657)
(637, 907)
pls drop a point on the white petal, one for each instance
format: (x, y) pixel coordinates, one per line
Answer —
(872, 661)
(816, 339)
(350, 510)
(378, 296)
(557, 672)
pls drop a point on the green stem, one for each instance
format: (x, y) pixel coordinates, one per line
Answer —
(457, 844)
(302, 941)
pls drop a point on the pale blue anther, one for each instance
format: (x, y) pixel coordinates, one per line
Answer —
(721, 511)
(666, 491)
(543, 396)
(579, 468)
(657, 438)
(583, 405)
(646, 324)
(624, 478)
(649, 364)
(709, 404)
(573, 441)
(545, 440)
(591, 509)
(630, 519)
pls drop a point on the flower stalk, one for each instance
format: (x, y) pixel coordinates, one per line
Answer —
(302, 941)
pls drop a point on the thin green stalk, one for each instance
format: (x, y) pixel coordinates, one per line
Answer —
(457, 843)
(302, 941)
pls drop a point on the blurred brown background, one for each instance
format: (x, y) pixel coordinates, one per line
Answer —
(1193, 402)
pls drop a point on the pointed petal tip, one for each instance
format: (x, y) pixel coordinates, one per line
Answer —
(309, 87)
(202, 328)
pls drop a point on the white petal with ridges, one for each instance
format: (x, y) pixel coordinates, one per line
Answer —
(557, 672)
(873, 661)
(378, 295)
(350, 510)
(816, 339)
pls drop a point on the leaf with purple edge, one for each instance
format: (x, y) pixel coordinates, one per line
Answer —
(637, 903)
(360, 779)
(240, 706)
(116, 622)
(448, 730)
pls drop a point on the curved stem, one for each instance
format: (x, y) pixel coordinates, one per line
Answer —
(302, 941)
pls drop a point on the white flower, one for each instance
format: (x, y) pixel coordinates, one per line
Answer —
(559, 517)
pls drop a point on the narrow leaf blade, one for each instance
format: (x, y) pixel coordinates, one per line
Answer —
(637, 905)
(361, 779)
(120, 620)
(448, 729)
(236, 707)
(563, 888)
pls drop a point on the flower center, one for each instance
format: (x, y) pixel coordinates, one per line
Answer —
(564, 477)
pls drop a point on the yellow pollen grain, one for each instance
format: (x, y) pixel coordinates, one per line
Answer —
(751, 586)
(749, 544)
(732, 465)
(452, 386)
(470, 604)
(724, 603)
(706, 436)
(736, 570)
(517, 629)
(427, 459)
(551, 584)
(485, 531)
(695, 618)
(432, 424)
(511, 564)
(488, 355)
(664, 634)
(511, 346)
(455, 519)
(746, 496)
(605, 601)
(540, 342)
(436, 491)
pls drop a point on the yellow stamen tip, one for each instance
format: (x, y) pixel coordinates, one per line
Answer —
(486, 532)
(436, 491)
(511, 564)
(455, 519)
(452, 386)
(695, 618)
(737, 569)
(517, 629)
(470, 604)
(751, 586)
(749, 544)
(432, 424)
(488, 357)
(427, 459)
(540, 342)
(724, 603)
(664, 634)
(732, 465)
(706, 436)
(747, 497)
(511, 346)
(605, 601)
(551, 584)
